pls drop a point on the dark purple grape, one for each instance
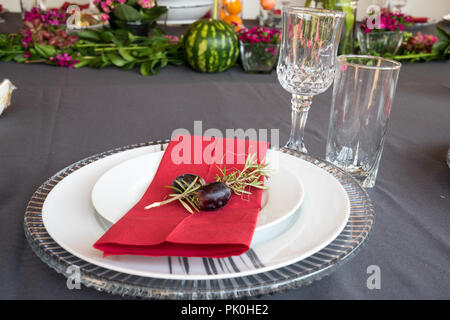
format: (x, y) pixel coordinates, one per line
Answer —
(185, 180)
(213, 196)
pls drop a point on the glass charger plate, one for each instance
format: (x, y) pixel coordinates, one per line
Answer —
(294, 275)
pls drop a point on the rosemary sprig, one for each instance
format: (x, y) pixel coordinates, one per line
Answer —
(186, 194)
(239, 180)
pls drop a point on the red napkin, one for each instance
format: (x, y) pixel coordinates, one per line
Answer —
(67, 4)
(418, 19)
(170, 230)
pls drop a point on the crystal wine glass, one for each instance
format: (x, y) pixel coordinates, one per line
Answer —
(309, 44)
(399, 4)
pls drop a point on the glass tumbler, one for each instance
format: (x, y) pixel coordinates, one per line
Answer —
(363, 91)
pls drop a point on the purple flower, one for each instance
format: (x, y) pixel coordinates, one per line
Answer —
(259, 34)
(51, 17)
(64, 60)
(387, 20)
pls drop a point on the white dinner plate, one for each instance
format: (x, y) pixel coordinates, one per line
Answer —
(121, 187)
(69, 217)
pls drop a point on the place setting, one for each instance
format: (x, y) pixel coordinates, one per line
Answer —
(200, 217)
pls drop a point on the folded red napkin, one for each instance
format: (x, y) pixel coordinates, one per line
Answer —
(418, 19)
(170, 230)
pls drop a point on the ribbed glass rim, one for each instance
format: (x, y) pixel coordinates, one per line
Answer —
(316, 11)
(395, 65)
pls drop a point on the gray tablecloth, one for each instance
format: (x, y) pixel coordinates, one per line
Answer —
(59, 116)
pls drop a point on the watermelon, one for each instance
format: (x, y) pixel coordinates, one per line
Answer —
(210, 46)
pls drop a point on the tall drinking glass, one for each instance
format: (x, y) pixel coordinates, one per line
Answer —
(309, 43)
(363, 92)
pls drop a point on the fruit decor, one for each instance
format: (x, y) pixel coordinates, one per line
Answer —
(268, 4)
(195, 195)
(210, 46)
(231, 13)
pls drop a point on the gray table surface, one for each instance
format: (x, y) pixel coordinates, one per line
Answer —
(59, 116)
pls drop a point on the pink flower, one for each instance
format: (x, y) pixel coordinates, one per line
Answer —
(258, 35)
(105, 7)
(173, 39)
(64, 60)
(147, 4)
(387, 21)
(105, 17)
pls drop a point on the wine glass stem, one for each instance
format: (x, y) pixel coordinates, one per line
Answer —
(300, 108)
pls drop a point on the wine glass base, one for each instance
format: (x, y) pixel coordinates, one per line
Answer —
(297, 146)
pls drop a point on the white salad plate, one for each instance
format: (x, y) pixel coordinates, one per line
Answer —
(121, 187)
(69, 218)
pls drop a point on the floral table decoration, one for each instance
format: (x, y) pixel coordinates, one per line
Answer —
(136, 15)
(43, 39)
(424, 47)
(259, 48)
(388, 38)
(382, 36)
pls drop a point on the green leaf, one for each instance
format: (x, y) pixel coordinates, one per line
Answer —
(145, 68)
(126, 55)
(440, 45)
(186, 206)
(125, 12)
(90, 35)
(121, 35)
(19, 58)
(116, 59)
(442, 35)
(45, 51)
(8, 57)
(129, 65)
(81, 64)
(153, 13)
(108, 36)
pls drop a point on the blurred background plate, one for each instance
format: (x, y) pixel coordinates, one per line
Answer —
(420, 25)
(184, 11)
